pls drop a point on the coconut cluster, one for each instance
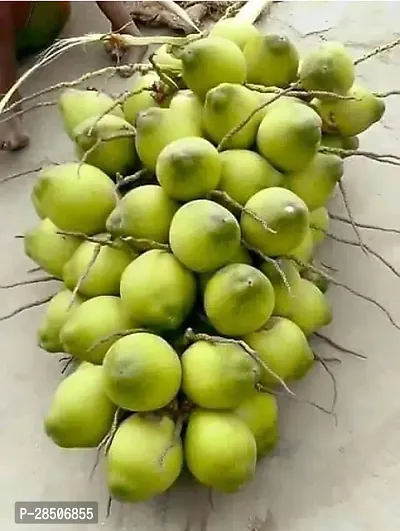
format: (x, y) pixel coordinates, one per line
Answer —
(184, 239)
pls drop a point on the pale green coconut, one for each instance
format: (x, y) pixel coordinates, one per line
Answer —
(340, 142)
(206, 63)
(260, 413)
(304, 252)
(330, 67)
(156, 128)
(104, 274)
(284, 212)
(76, 197)
(165, 60)
(283, 347)
(93, 327)
(226, 106)
(218, 375)
(145, 458)
(350, 117)
(57, 312)
(49, 249)
(144, 212)
(142, 372)
(140, 101)
(80, 414)
(108, 143)
(189, 168)
(235, 30)
(272, 60)
(76, 106)
(317, 181)
(204, 235)
(245, 173)
(238, 299)
(289, 136)
(284, 276)
(186, 106)
(158, 291)
(220, 450)
(319, 223)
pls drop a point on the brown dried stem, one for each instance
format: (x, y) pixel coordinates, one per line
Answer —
(377, 157)
(144, 244)
(377, 51)
(28, 109)
(264, 389)
(328, 370)
(302, 93)
(339, 347)
(363, 225)
(20, 174)
(29, 306)
(27, 282)
(191, 337)
(349, 213)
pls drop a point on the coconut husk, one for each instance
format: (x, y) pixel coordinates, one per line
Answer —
(155, 15)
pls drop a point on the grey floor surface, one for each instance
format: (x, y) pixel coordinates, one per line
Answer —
(322, 477)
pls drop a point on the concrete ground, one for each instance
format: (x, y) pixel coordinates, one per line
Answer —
(322, 477)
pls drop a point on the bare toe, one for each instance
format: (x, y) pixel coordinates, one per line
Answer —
(12, 137)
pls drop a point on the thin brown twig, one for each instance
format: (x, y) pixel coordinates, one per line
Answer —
(20, 174)
(117, 335)
(339, 347)
(27, 307)
(364, 225)
(377, 50)
(328, 370)
(369, 249)
(298, 93)
(27, 282)
(377, 157)
(28, 109)
(264, 389)
(349, 213)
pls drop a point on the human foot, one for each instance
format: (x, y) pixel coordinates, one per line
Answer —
(12, 135)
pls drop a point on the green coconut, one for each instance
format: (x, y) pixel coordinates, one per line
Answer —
(244, 173)
(76, 106)
(206, 63)
(283, 347)
(317, 181)
(284, 276)
(189, 168)
(260, 413)
(166, 61)
(49, 249)
(238, 299)
(272, 60)
(108, 143)
(235, 30)
(350, 117)
(144, 212)
(186, 106)
(284, 212)
(57, 312)
(142, 372)
(218, 375)
(289, 136)
(156, 128)
(75, 197)
(93, 327)
(80, 414)
(204, 235)
(145, 458)
(158, 291)
(319, 223)
(330, 67)
(220, 450)
(226, 106)
(104, 274)
(143, 96)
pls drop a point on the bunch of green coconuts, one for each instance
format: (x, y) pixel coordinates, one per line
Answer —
(187, 299)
